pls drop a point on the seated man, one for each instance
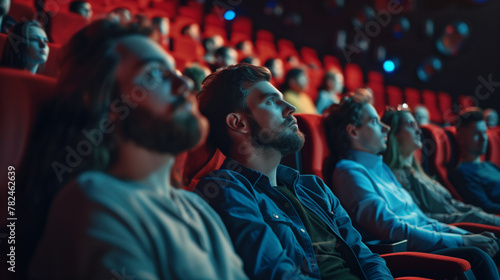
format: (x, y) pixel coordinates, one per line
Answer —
(378, 204)
(477, 181)
(283, 224)
(124, 113)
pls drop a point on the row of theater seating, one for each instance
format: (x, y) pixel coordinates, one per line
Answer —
(23, 94)
(64, 24)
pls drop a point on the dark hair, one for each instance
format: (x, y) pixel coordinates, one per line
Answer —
(338, 117)
(222, 51)
(270, 63)
(224, 92)
(15, 52)
(196, 74)
(293, 73)
(468, 116)
(86, 89)
(75, 5)
(329, 75)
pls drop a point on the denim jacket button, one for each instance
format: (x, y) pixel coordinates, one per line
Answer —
(302, 230)
(276, 216)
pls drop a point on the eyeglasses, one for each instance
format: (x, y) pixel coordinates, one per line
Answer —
(399, 108)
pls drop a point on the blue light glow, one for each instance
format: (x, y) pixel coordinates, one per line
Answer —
(229, 15)
(389, 66)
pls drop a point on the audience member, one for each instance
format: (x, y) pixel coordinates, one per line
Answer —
(430, 196)
(491, 117)
(379, 206)
(251, 60)
(294, 91)
(192, 31)
(82, 8)
(421, 114)
(6, 21)
(477, 181)
(275, 65)
(142, 20)
(224, 56)
(211, 44)
(246, 48)
(364, 94)
(330, 90)
(118, 213)
(197, 73)
(121, 15)
(161, 31)
(26, 47)
(283, 225)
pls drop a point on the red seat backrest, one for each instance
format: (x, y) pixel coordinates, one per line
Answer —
(315, 153)
(353, 76)
(199, 163)
(394, 96)
(439, 150)
(21, 94)
(65, 25)
(242, 25)
(412, 97)
(430, 101)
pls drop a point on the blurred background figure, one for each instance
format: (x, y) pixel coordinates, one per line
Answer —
(82, 8)
(363, 93)
(294, 91)
(275, 65)
(142, 20)
(197, 73)
(211, 44)
(491, 117)
(224, 56)
(193, 31)
(121, 15)
(421, 114)
(246, 48)
(251, 60)
(161, 31)
(6, 21)
(26, 47)
(330, 90)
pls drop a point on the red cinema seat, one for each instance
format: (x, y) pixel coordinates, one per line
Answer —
(64, 25)
(215, 20)
(394, 96)
(286, 48)
(430, 101)
(493, 151)
(379, 99)
(266, 49)
(375, 77)
(212, 30)
(192, 12)
(21, 94)
(331, 62)
(439, 150)
(242, 25)
(446, 107)
(237, 37)
(353, 76)
(22, 11)
(465, 101)
(412, 97)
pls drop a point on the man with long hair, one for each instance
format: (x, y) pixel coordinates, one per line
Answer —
(121, 117)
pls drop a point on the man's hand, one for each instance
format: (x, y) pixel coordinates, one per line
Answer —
(485, 241)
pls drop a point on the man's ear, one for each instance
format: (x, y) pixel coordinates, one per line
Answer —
(352, 131)
(237, 122)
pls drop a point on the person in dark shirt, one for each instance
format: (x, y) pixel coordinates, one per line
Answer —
(477, 181)
(283, 225)
(6, 21)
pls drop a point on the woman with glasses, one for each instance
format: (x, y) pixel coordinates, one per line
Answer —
(432, 198)
(26, 47)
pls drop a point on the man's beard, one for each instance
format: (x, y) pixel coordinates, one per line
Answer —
(284, 141)
(179, 132)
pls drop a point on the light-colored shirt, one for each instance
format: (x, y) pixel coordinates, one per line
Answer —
(436, 201)
(383, 209)
(302, 102)
(325, 100)
(100, 227)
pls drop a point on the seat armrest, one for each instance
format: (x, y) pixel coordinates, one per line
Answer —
(386, 246)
